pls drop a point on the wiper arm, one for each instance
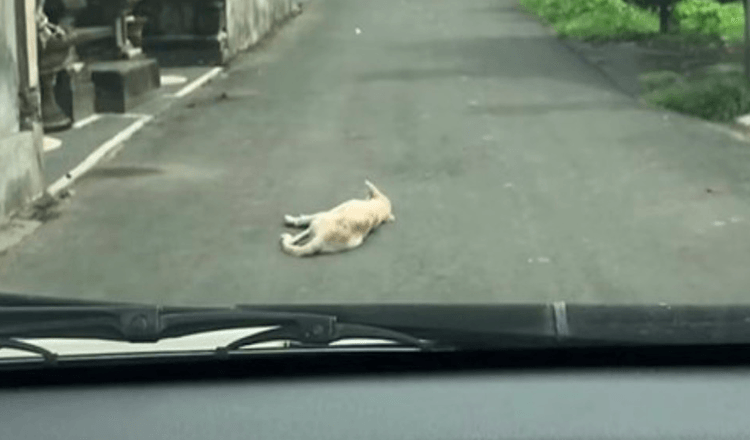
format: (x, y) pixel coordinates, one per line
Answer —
(154, 323)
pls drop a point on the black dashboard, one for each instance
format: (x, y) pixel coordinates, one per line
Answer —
(382, 401)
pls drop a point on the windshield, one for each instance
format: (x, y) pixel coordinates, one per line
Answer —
(441, 152)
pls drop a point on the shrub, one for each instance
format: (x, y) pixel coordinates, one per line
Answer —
(717, 98)
(700, 16)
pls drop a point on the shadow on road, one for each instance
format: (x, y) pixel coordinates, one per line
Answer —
(512, 58)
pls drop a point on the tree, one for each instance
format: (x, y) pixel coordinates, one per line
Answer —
(747, 39)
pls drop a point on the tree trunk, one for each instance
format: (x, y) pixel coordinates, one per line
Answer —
(664, 17)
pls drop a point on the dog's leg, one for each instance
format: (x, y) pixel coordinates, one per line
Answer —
(310, 248)
(300, 220)
(299, 237)
(291, 240)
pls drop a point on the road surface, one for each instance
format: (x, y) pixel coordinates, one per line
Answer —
(518, 173)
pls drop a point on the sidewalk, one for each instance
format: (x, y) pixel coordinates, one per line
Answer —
(78, 149)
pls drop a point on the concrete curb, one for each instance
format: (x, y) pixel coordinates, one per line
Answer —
(599, 64)
(99, 154)
(60, 186)
(23, 224)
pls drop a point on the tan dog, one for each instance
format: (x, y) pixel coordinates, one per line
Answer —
(343, 228)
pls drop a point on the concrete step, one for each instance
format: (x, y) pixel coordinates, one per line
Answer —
(122, 85)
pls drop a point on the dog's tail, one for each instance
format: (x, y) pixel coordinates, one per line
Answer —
(310, 248)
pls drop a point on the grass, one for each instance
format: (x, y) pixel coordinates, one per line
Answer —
(594, 19)
(719, 96)
(617, 20)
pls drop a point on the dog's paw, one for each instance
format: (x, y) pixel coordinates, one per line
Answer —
(289, 220)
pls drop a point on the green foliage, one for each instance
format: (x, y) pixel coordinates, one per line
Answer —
(659, 80)
(617, 20)
(732, 22)
(717, 98)
(594, 19)
(700, 16)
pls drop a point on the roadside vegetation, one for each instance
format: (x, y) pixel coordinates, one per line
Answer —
(719, 94)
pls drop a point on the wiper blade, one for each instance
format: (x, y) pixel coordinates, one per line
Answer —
(317, 336)
(155, 323)
(48, 356)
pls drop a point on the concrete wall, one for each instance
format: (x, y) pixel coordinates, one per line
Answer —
(9, 77)
(248, 21)
(20, 159)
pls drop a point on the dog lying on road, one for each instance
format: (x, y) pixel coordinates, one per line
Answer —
(343, 228)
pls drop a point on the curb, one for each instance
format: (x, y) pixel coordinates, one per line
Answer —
(734, 130)
(97, 155)
(60, 186)
(574, 47)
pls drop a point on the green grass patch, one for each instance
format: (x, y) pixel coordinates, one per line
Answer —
(662, 79)
(594, 19)
(719, 97)
(606, 20)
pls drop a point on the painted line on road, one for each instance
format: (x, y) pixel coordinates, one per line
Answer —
(86, 121)
(50, 144)
(198, 82)
(97, 155)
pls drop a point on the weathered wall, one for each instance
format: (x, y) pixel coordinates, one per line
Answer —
(20, 164)
(248, 21)
(9, 117)
(212, 29)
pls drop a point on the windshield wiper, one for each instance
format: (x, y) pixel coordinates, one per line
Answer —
(154, 323)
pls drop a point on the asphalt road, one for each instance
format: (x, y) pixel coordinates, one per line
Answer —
(518, 173)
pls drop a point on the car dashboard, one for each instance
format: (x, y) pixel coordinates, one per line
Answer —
(383, 401)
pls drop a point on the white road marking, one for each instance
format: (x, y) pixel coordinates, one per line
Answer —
(173, 80)
(114, 142)
(198, 82)
(86, 121)
(97, 155)
(51, 144)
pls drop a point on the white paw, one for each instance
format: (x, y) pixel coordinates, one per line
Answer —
(289, 219)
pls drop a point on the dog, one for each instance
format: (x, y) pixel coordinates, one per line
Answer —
(342, 228)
